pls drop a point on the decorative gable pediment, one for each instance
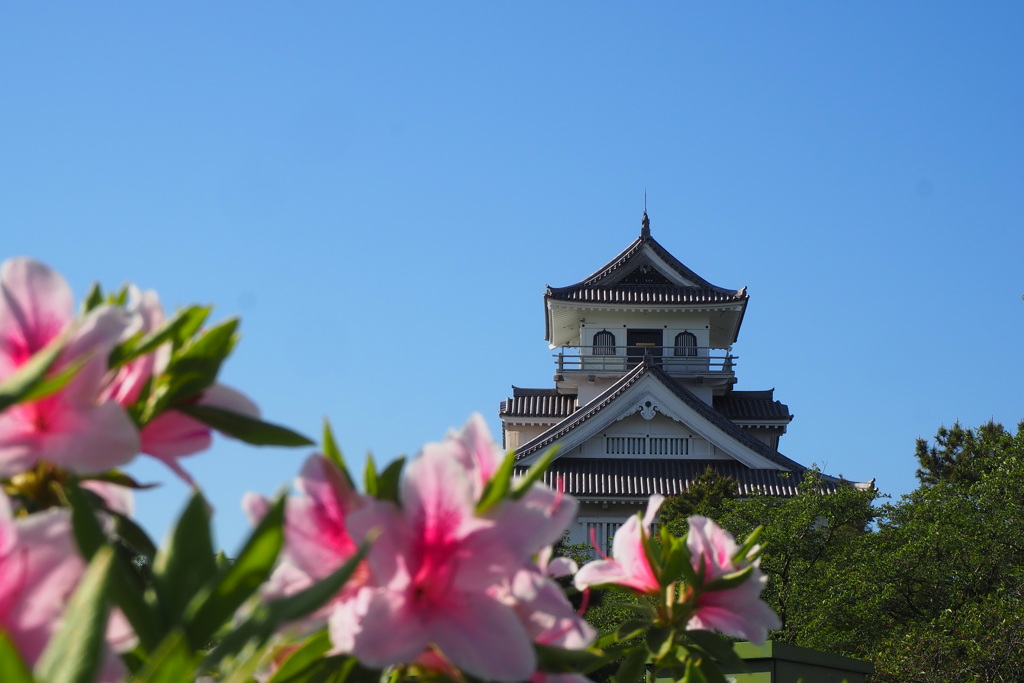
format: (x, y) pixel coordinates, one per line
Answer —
(647, 405)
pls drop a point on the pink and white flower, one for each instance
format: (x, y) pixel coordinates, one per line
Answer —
(738, 611)
(436, 568)
(74, 428)
(442, 586)
(316, 540)
(628, 566)
(39, 570)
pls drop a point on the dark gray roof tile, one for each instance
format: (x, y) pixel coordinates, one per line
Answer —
(571, 422)
(627, 478)
(644, 294)
(538, 403)
(752, 405)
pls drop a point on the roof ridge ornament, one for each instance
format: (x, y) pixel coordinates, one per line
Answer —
(645, 226)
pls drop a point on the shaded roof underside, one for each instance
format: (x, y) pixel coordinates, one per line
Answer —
(626, 478)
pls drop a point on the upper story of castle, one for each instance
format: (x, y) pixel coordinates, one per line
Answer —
(643, 303)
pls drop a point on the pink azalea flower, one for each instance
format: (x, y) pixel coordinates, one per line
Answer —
(628, 565)
(548, 615)
(739, 611)
(39, 570)
(480, 457)
(147, 315)
(474, 449)
(73, 428)
(316, 539)
(436, 569)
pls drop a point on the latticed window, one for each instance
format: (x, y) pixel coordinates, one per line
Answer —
(604, 343)
(646, 445)
(669, 445)
(686, 344)
(626, 445)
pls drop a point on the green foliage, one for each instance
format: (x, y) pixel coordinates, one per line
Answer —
(930, 587)
(966, 454)
(808, 538)
(946, 568)
(707, 496)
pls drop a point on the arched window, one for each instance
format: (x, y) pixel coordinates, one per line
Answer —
(686, 344)
(604, 343)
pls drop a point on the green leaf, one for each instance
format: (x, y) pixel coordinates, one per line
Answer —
(126, 588)
(310, 599)
(93, 299)
(499, 485)
(731, 580)
(244, 669)
(177, 330)
(370, 476)
(195, 367)
(24, 381)
(251, 430)
(250, 635)
(334, 454)
(534, 473)
(337, 669)
(677, 564)
(172, 662)
(186, 564)
(120, 298)
(556, 659)
(660, 641)
(216, 605)
(744, 553)
(133, 535)
(389, 479)
(121, 479)
(631, 628)
(303, 659)
(718, 647)
(12, 667)
(632, 670)
(75, 653)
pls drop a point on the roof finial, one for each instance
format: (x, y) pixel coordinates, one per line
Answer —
(645, 224)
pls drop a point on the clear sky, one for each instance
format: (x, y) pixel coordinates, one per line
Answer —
(382, 190)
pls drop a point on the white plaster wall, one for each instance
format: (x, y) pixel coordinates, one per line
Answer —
(517, 435)
(671, 323)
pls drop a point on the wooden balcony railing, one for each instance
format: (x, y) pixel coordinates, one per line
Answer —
(688, 360)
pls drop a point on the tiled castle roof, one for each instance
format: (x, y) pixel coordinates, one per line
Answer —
(537, 403)
(562, 428)
(607, 285)
(740, 406)
(639, 478)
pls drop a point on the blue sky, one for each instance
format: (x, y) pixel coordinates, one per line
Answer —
(382, 191)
